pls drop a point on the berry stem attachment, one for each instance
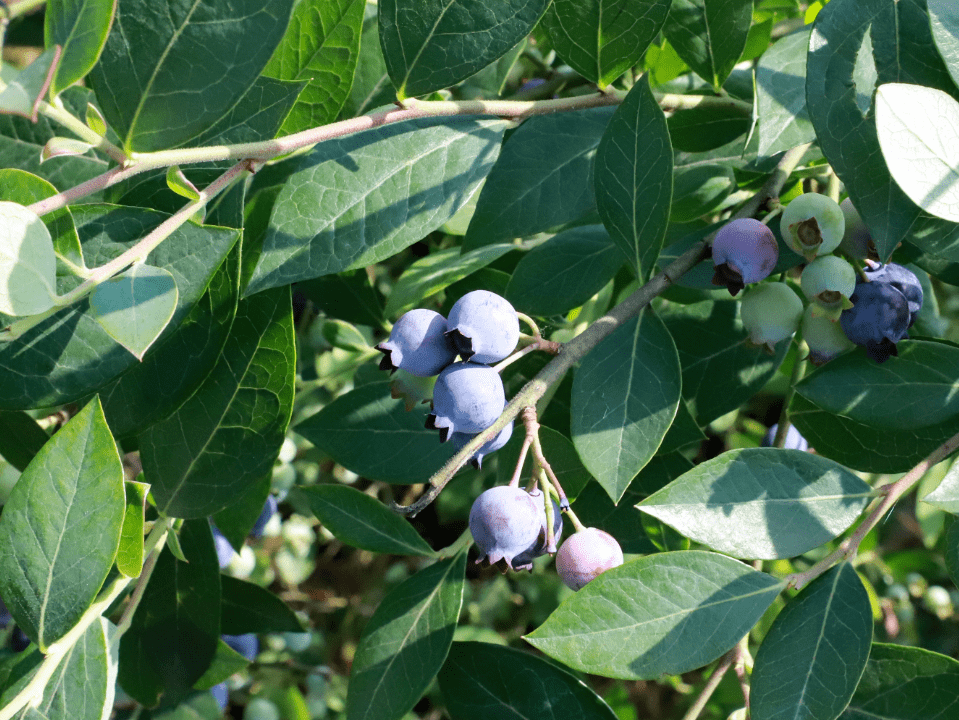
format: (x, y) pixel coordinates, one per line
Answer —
(772, 214)
(514, 481)
(532, 325)
(532, 432)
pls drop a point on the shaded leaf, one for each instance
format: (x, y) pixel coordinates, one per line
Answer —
(781, 95)
(709, 35)
(348, 296)
(28, 264)
(364, 522)
(226, 662)
(630, 623)
(22, 93)
(60, 528)
(20, 438)
(249, 608)
(237, 519)
(812, 657)
(371, 82)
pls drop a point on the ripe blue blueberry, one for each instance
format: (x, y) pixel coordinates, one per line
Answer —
(221, 694)
(483, 326)
(467, 398)
(824, 336)
(878, 319)
(460, 440)
(829, 281)
(794, 439)
(224, 550)
(504, 521)
(418, 344)
(524, 561)
(812, 225)
(247, 644)
(269, 510)
(744, 252)
(904, 280)
(770, 312)
(586, 554)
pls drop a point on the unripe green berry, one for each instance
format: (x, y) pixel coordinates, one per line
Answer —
(770, 313)
(825, 337)
(812, 225)
(829, 281)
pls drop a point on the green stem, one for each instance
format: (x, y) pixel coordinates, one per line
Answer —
(153, 546)
(799, 368)
(80, 129)
(21, 8)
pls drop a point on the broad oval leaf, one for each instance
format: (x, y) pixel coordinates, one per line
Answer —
(783, 121)
(906, 683)
(21, 92)
(364, 522)
(225, 438)
(135, 306)
(564, 272)
(28, 264)
(162, 55)
(602, 39)
(634, 178)
(60, 528)
(523, 685)
(952, 551)
(367, 417)
(709, 35)
(542, 179)
(761, 503)
(915, 390)
(406, 642)
(431, 44)
(700, 190)
(944, 19)
(918, 130)
(815, 652)
(249, 608)
(322, 46)
(625, 395)
(946, 494)
(81, 28)
(356, 200)
(630, 622)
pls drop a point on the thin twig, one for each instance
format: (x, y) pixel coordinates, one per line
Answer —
(727, 662)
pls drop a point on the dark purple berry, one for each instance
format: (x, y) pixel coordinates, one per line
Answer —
(504, 521)
(418, 344)
(904, 280)
(744, 252)
(794, 439)
(247, 644)
(586, 554)
(878, 319)
(483, 326)
(524, 561)
(269, 510)
(467, 398)
(460, 440)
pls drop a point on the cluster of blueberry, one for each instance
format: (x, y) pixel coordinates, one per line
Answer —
(874, 308)
(468, 395)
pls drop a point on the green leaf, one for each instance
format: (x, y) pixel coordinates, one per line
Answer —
(28, 264)
(83, 685)
(236, 520)
(141, 81)
(905, 683)
(406, 642)
(720, 371)
(394, 184)
(81, 28)
(432, 44)
(634, 179)
(437, 271)
(919, 385)
(22, 93)
(683, 432)
(321, 45)
(367, 417)
(700, 190)
(630, 623)
(602, 39)
(917, 133)
(543, 178)
(226, 662)
(863, 447)
(662, 536)
(69, 356)
(562, 459)
(348, 296)
(762, 503)
(946, 494)
(481, 681)
(226, 436)
(619, 417)
(248, 608)
(814, 654)
(944, 19)
(130, 551)
(709, 35)
(60, 528)
(781, 95)
(20, 438)
(952, 551)
(371, 82)
(176, 627)
(177, 363)
(364, 522)
(135, 306)
(706, 128)
(857, 45)
(564, 272)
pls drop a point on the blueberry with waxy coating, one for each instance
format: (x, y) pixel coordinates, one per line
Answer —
(878, 319)
(269, 510)
(524, 561)
(904, 280)
(586, 554)
(467, 398)
(483, 327)
(418, 344)
(504, 522)
(744, 252)
(460, 440)
(247, 644)
(794, 439)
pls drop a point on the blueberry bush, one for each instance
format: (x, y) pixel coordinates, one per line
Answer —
(604, 469)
